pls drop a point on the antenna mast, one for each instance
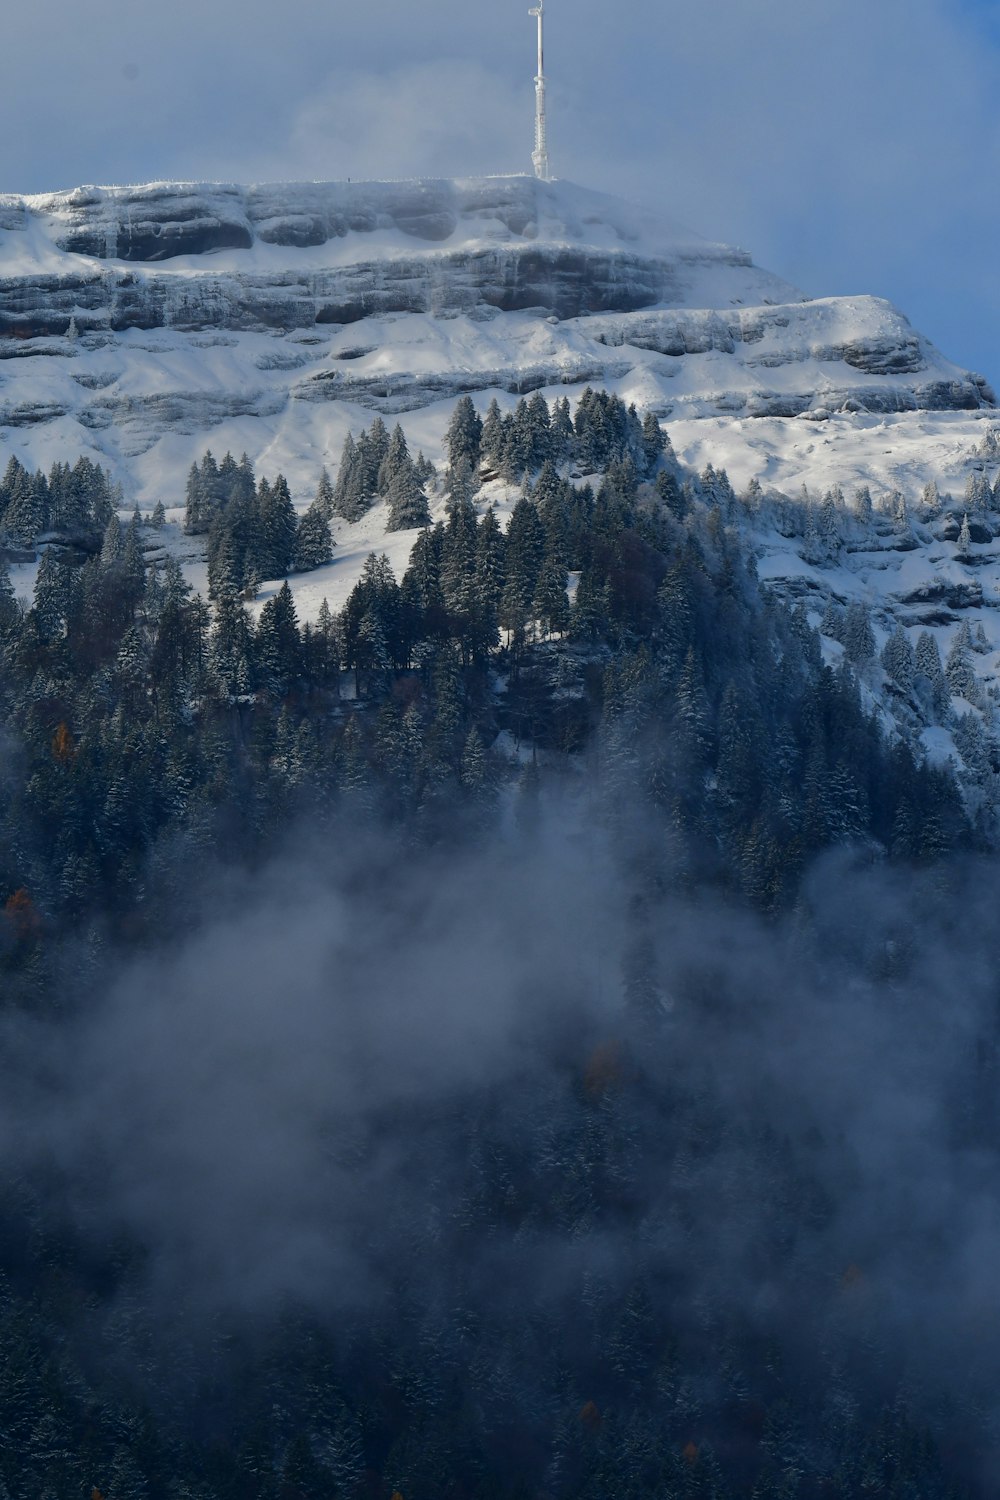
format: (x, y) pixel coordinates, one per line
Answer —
(540, 155)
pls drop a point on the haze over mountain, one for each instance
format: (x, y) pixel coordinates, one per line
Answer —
(142, 323)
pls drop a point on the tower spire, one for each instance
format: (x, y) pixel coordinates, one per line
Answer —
(540, 155)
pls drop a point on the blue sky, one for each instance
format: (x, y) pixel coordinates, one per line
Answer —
(853, 146)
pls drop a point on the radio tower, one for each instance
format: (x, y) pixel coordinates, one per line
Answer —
(540, 155)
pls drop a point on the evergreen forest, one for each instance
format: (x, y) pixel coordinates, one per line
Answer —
(483, 1043)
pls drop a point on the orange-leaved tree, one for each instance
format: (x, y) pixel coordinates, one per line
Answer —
(63, 745)
(22, 914)
(590, 1416)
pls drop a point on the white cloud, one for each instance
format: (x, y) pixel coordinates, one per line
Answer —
(427, 119)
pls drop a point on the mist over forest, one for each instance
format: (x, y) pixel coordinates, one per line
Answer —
(532, 1032)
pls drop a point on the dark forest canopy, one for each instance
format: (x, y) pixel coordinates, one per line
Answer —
(633, 908)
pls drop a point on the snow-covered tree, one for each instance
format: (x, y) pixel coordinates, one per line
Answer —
(350, 499)
(408, 506)
(973, 746)
(397, 457)
(313, 543)
(930, 679)
(978, 496)
(959, 671)
(899, 659)
(859, 638)
(464, 436)
(325, 494)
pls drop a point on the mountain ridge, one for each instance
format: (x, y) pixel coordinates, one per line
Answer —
(399, 297)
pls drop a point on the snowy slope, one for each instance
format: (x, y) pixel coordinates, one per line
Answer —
(272, 319)
(142, 325)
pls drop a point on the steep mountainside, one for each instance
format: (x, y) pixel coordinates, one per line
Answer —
(144, 323)
(537, 958)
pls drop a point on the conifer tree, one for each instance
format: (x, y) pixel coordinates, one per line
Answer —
(444, 739)
(931, 669)
(977, 493)
(10, 610)
(376, 596)
(831, 512)
(407, 502)
(863, 509)
(70, 513)
(373, 449)
(474, 770)
(195, 509)
(464, 437)
(278, 646)
(671, 494)
(25, 515)
(539, 426)
(834, 622)
(653, 444)
(275, 530)
(523, 559)
(590, 609)
(490, 574)
(973, 746)
(325, 495)
(492, 442)
(227, 573)
(899, 659)
(562, 435)
(350, 499)
(814, 550)
(423, 575)
(51, 596)
(693, 718)
(458, 557)
(859, 638)
(11, 479)
(313, 542)
(424, 470)
(111, 546)
(231, 646)
(397, 458)
(461, 484)
(133, 563)
(551, 602)
(740, 752)
(959, 671)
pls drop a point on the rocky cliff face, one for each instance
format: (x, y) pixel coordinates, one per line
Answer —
(162, 221)
(506, 244)
(563, 281)
(131, 318)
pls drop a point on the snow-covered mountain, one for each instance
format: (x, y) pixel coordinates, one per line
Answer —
(143, 325)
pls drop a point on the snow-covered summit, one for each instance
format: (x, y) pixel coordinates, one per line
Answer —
(144, 324)
(296, 254)
(157, 222)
